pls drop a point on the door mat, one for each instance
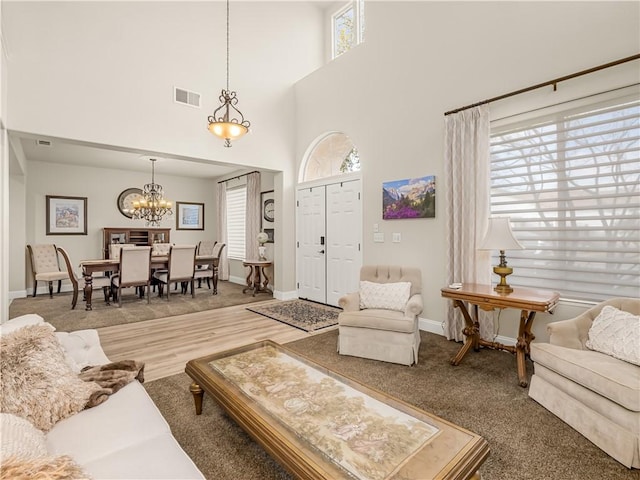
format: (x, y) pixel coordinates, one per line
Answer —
(302, 314)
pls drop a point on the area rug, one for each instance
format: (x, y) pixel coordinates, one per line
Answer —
(302, 314)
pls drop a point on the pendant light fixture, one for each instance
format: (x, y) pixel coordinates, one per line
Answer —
(229, 124)
(152, 207)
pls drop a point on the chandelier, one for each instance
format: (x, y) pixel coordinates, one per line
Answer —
(152, 206)
(227, 121)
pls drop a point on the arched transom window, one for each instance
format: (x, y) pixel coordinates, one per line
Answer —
(332, 155)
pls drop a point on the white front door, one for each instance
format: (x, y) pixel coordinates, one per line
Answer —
(311, 244)
(344, 232)
(329, 231)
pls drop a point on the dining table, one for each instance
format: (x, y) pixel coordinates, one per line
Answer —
(158, 262)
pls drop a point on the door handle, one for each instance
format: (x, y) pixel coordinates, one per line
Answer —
(320, 251)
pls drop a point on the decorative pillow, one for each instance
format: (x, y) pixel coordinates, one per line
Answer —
(388, 296)
(37, 383)
(41, 468)
(616, 333)
(18, 437)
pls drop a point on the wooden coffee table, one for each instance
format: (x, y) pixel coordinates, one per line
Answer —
(321, 425)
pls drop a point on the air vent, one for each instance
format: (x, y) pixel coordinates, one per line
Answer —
(180, 95)
(43, 143)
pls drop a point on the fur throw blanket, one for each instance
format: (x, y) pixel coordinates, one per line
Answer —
(111, 377)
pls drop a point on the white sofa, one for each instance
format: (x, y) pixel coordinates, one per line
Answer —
(125, 437)
(596, 394)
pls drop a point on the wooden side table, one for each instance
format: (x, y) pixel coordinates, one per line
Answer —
(254, 279)
(529, 301)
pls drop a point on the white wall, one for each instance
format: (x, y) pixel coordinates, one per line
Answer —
(421, 59)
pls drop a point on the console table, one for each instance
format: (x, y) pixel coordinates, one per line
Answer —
(529, 301)
(254, 279)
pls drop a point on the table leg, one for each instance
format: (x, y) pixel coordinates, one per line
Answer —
(215, 280)
(249, 281)
(471, 332)
(265, 283)
(198, 395)
(256, 279)
(525, 336)
(88, 290)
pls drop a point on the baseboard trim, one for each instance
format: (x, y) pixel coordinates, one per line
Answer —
(17, 294)
(433, 326)
(290, 295)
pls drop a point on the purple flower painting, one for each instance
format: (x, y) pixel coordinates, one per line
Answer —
(411, 198)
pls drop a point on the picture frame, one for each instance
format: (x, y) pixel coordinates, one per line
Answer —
(270, 233)
(409, 198)
(189, 216)
(66, 215)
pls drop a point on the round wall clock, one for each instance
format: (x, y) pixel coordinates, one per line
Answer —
(268, 209)
(126, 199)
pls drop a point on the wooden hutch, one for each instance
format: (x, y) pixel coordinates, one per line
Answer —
(137, 236)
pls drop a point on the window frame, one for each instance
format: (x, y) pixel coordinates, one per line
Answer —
(358, 25)
(237, 252)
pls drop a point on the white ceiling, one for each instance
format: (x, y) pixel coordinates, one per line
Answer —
(63, 151)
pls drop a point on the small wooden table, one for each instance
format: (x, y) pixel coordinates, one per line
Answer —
(266, 388)
(528, 300)
(254, 280)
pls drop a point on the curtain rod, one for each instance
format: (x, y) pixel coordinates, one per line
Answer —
(238, 176)
(553, 82)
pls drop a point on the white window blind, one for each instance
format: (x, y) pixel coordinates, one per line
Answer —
(570, 182)
(236, 213)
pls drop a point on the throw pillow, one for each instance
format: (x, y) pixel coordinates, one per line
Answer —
(37, 383)
(616, 333)
(19, 322)
(43, 468)
(387, 296)
(18, 437)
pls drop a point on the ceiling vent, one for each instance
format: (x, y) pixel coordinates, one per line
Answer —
(43, 143)
(185, 97)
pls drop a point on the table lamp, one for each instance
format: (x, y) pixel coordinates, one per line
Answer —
(500, 237)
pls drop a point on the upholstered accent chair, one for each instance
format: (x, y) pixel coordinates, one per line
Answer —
(211, 273)
(134, 271)
(592, 390)
(380, 321)
(182, 261)
(97, 282)
(45, 266)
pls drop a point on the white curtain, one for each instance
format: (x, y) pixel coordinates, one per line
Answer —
(221, 228)
(252, 218)
(467, 202)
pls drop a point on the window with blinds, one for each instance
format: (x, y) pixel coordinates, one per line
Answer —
(236, 213)
(570, 182)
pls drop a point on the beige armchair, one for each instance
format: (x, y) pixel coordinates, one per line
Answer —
(389, 332)
(45, 266)
(595, 393)
(182, 261)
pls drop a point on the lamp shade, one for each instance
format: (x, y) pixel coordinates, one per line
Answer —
(499, 236)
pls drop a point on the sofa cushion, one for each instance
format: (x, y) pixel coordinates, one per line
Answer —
(616, 333)
(19, 322)
(612, 378)
(388, 296)
(18, 437)
(37, 383)
(377, 319)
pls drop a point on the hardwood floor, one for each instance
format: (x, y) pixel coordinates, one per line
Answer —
(166, 344)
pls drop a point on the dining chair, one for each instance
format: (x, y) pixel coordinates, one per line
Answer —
(212, 273)
(182, 261)
(160, 248)
(134, 271)
(45, 266)
(101, 281)
(205, 248)
(114, 249)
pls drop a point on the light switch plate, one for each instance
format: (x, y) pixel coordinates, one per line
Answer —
(396, 237)
(378, 237)
(376, 228)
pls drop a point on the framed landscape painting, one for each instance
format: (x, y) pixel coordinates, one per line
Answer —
(410, 198)
(66, 215)
(190, 216)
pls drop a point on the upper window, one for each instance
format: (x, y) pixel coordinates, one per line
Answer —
(335, 154)
(347, 27)
(571, 184)
(236, 214)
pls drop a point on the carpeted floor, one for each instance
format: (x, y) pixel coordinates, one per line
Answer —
(481, 394)
(57, 310)
(302, 314)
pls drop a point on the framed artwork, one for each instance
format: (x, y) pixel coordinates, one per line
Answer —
(66, 215)
(190, 216)
(410, 198)
(268, 210)
(269, 232)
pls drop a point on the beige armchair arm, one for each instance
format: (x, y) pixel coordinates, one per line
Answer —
(350, 302)
(572, 333)
(414, 306)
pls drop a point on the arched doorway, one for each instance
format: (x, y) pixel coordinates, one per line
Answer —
(329, 220)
